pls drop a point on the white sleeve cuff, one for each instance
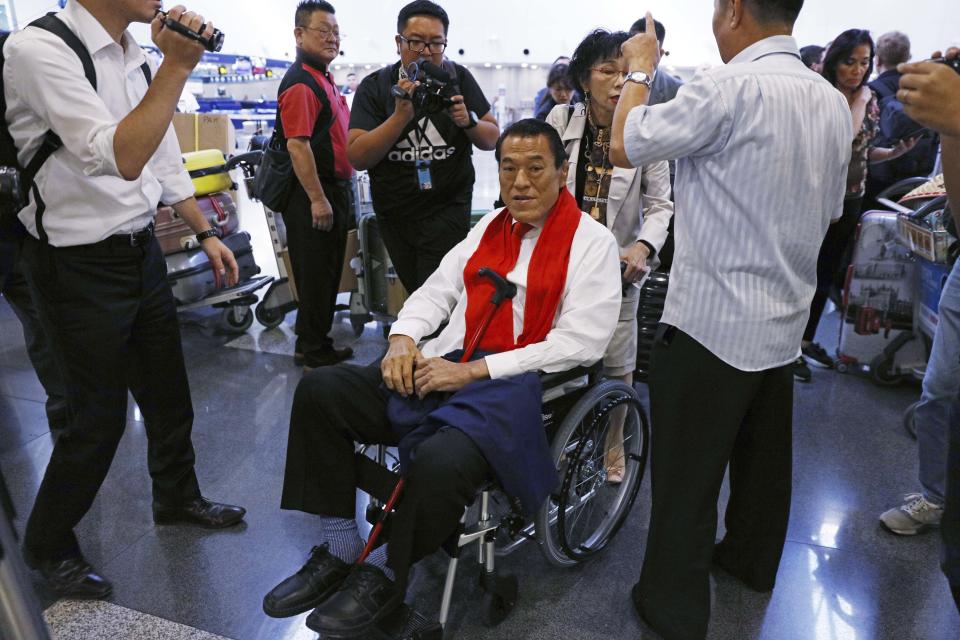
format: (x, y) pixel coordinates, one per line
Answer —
(410, 328)
(503, 365)
(176, 187)
(104, 157)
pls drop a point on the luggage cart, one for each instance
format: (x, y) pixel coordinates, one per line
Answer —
(236, 301)
(931, 248)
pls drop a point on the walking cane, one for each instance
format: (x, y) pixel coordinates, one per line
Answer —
(503, 290)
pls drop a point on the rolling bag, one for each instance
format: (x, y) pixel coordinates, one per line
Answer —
(208, 170)
(191, 278)
(876, 329)
(175, 235)
(653, 295)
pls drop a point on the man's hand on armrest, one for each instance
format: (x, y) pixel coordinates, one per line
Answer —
(398, 364)
(437, 374)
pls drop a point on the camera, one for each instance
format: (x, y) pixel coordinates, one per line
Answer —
(212, 43)
(953, 63)
(11, 196)
(436, 90)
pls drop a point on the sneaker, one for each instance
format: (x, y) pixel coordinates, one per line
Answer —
(817, 355)
(915, 515)
(801, 372)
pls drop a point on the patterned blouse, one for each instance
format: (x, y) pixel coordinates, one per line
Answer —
(859, 159)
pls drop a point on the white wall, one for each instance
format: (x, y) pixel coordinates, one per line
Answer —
(499, 30)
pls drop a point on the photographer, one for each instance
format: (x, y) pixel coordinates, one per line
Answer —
(929, 93)
(419, 151)
(95, 270)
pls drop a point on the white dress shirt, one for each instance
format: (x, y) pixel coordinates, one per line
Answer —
(586, 315)
(762, 145)
(86, 198)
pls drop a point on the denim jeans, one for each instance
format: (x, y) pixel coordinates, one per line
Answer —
(940, 386)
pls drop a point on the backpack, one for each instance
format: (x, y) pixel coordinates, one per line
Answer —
(11, 204)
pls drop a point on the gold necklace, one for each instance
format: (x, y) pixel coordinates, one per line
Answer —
(601, 143)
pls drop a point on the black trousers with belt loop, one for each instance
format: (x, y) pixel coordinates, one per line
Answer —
(111, 320)
(336, 407)
(705, 416)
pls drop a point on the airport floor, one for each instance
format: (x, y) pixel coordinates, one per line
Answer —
(841, 578)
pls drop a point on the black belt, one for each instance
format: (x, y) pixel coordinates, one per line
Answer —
(132, 239)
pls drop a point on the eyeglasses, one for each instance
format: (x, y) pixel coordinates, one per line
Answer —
(417, 46)
(608, 73)
(326, 34)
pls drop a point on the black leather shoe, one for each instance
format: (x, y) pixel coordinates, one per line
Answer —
(201, 512)
(313, 361)
(366, 597)
(721, 560)
(74, 578)
(312, 584)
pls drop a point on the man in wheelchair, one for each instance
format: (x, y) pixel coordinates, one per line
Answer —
(457, 423)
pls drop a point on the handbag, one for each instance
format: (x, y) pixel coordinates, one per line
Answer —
(274, 179)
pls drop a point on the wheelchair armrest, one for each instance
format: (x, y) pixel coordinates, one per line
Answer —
(555, 384)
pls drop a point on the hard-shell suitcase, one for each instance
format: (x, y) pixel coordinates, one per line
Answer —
(383, 293)
(876, 329)
(175, 235)
(208, 170)
(191, 278)
(653, 294)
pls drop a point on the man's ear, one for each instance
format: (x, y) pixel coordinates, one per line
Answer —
(298, 35)
(396, 39)
(735, 11)
(564, 170)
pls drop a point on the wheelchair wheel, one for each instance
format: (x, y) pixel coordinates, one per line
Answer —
(586, 512)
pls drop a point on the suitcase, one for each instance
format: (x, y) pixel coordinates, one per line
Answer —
(383, 293)
(191, 277)
(653, 294)
(175, 235)
(208, 170)
(876, 328)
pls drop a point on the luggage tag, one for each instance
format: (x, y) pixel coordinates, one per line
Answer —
(424, 179)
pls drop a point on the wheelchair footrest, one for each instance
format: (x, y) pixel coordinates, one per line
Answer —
(499, 597)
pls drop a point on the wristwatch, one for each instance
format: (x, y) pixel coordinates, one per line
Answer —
(212, 232)
(640, 77)
(473, 121)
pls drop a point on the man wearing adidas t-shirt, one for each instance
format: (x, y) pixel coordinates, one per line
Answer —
(421, 168)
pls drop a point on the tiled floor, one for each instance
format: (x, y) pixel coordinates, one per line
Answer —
(842, 577)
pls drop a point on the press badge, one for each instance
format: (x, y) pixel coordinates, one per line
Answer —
(424, 180)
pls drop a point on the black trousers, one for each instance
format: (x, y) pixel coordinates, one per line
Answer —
(317, 260)
(832, 262)
(110, 317)
(705, 415)
(15, 289)
(335, 407)
(417, 245)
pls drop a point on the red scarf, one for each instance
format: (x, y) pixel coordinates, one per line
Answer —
(546, 276)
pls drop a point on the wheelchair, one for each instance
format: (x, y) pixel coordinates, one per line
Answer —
(577, 521)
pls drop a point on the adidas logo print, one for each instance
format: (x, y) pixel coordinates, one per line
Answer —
(422, 143)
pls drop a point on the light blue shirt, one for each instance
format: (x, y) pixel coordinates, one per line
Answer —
(762, 146)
